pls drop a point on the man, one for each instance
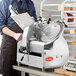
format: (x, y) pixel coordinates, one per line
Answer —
(12, 32)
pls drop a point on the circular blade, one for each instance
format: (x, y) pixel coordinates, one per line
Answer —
(51, 32)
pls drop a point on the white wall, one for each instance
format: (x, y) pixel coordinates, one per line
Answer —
(37, 4)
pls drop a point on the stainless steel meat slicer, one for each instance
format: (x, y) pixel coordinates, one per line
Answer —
(43, 45)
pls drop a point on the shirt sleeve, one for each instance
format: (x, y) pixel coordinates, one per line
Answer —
(2, 22)
(32, 10)
(3, 15)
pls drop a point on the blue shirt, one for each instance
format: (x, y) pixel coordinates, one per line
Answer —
(5, 19)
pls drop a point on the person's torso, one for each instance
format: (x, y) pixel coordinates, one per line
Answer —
(16, 4)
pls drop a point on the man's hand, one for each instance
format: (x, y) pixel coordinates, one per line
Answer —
(18, 36)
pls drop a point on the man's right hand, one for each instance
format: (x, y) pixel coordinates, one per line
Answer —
(18, 36)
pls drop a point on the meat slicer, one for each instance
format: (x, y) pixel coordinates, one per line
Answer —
(43, 45)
